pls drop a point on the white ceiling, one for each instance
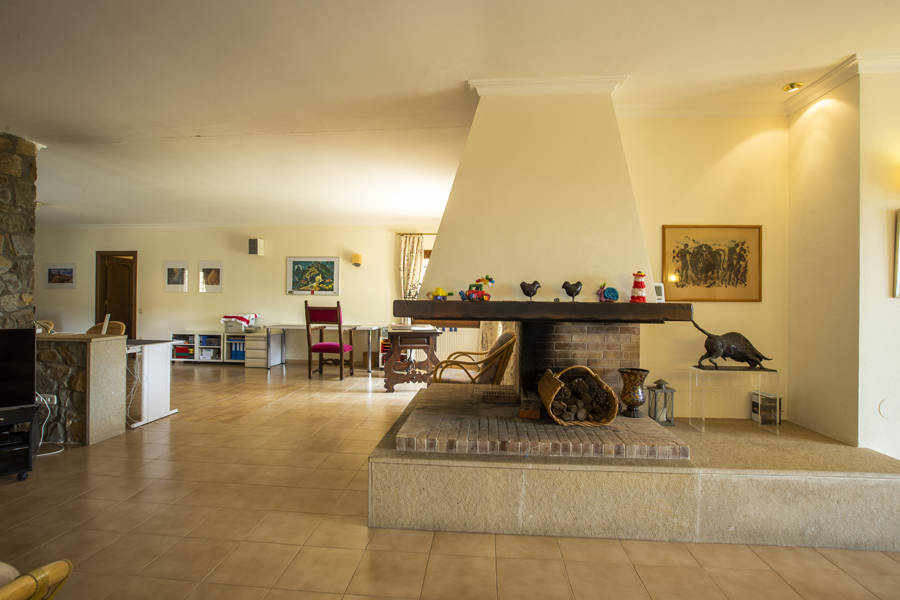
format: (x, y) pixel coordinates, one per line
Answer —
(293, 111)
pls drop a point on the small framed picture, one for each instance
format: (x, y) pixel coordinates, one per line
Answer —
(210, 272)
(316, 275)
(176, 276)
(59, 276)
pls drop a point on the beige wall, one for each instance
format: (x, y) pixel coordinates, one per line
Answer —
(250, 283)
(879, 324)
(713, 171)
(542, 192)
(824, 265)
(826, 227)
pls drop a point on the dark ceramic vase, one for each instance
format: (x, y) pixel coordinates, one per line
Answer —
(632, 395)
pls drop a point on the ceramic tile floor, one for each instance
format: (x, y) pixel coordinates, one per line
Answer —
(257, 490)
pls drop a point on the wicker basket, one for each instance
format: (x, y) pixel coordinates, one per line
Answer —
(550, 384)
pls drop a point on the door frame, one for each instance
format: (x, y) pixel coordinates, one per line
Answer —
(99, 314)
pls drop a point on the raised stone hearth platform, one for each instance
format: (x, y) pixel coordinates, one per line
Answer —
(742, 484)
(451, 419)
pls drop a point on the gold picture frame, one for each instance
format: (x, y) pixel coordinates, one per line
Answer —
(712, 263)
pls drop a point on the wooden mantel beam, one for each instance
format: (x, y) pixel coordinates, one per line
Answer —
(508, 310)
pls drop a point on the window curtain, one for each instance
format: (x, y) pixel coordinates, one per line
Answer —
(412, 257)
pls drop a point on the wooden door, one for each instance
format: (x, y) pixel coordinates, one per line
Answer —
(117, 289)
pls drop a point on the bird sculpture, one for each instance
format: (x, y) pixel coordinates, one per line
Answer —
(572, 289)
(530, 289)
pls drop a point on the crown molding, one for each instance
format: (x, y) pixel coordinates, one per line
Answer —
(547, 86)
(694, 111)
(842, 72)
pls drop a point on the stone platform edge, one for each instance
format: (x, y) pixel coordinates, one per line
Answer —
(630, 499)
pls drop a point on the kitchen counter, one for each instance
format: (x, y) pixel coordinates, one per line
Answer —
(86, 375)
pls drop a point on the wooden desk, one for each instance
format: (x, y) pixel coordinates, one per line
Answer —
(148, 381)
(398, 370)
(347, 327)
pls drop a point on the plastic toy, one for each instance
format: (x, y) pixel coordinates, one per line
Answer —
(439, 293)
(476, 292)
(607, 294)
(639, 288)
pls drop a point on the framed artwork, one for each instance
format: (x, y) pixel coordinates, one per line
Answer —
(176, 276)
(59, 276)
(718, 263)
(313, 275)
(210, 272)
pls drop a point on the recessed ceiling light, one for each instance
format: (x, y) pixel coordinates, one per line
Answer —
(793, 86)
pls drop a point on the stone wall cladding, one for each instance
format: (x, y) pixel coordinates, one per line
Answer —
(62, 372)
(604, 347)
(18, 172)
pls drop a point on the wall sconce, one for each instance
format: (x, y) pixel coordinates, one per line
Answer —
(356, 260)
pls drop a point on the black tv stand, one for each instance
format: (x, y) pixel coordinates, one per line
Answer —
(18, 448)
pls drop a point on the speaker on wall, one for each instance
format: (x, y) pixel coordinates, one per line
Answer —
(256, 246)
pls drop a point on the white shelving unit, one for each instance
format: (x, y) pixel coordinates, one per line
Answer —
(198, 346)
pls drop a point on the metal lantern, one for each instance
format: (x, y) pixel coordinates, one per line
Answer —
(661, 402)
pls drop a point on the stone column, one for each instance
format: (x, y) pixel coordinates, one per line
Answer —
(18, 172)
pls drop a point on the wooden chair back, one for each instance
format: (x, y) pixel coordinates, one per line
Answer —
(40, 584)
(497, 359)
(323, 315)
(114, 328)
(489, 369)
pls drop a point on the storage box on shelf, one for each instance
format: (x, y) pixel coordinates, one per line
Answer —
(185, 346)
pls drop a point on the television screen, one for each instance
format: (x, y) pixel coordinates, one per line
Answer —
(17, 367)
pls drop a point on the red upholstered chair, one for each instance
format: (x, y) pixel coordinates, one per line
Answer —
(321, 316)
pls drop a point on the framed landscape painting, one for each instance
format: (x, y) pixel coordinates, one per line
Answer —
(718, 263)
(59, 276)
(313, 275)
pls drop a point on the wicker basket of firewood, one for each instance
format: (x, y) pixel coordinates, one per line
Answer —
(577, 396)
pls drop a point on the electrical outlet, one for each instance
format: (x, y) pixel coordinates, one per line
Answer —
(51, 399)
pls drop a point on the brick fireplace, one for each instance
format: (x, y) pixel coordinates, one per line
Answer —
(604, 347)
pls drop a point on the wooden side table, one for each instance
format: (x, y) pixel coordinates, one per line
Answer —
(409, 370)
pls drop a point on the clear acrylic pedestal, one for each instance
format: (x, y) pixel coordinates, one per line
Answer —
(728, 391)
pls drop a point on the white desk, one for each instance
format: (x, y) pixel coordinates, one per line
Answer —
(347, 327)
(149, 381)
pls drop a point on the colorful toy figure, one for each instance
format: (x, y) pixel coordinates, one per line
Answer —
(639, 288)
(476, 292)
(439, 293)
(607, 294)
